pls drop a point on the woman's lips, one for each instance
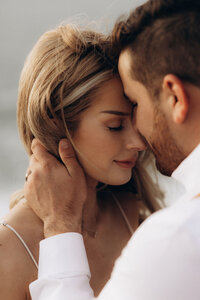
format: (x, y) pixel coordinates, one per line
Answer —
(125, 163)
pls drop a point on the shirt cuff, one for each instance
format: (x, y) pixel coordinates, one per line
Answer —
(63, 255)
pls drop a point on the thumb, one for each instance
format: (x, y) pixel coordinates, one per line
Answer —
(68, 157)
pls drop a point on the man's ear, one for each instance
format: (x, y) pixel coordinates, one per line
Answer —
(178, 98)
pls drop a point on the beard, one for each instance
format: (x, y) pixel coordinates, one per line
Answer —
(168, 155)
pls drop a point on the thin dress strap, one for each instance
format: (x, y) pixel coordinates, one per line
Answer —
(21, 240)
(123, 213)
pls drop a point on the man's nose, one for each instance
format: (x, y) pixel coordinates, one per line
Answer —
(136, 140)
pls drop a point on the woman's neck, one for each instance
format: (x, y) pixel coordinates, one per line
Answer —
(90, 211)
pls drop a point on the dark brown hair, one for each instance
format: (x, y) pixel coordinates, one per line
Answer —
(163, 37)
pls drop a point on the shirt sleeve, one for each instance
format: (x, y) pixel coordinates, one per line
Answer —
(64, 272)
(161, 261)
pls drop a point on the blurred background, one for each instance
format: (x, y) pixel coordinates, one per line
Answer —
(21, 23)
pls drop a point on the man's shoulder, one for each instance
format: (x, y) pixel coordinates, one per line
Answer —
(162, 254)
(178, 223)
(166, 239)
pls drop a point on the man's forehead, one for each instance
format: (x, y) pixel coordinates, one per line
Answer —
(124, 64)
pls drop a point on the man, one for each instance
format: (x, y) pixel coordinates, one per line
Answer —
(159, 65)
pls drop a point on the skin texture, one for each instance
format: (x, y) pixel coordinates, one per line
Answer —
(168, 122)
(52, 193)
(16, 268)
(106, 129)
(168, 155)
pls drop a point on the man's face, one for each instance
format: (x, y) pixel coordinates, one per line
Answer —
(150, 119)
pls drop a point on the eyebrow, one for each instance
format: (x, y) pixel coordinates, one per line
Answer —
(115, 112)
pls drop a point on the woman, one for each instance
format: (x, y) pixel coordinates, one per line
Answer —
(69, 88)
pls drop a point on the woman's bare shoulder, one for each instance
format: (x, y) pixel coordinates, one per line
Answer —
(16, 267)
(26, 223)
(13, 267)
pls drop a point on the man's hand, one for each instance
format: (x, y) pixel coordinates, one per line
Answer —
(54, 191)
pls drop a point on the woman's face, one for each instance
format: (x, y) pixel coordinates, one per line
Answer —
(106, 136)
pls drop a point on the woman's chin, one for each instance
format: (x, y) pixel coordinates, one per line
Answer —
(119, 181)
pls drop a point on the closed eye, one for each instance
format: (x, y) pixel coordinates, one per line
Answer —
(119, 128)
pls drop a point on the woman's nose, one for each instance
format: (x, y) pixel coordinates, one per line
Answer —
(136, 141)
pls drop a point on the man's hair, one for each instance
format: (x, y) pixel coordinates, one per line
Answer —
(163, 37)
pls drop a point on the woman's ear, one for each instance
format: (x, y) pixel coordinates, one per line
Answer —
(177, 96)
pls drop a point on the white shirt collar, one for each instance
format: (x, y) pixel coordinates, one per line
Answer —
(188, 172)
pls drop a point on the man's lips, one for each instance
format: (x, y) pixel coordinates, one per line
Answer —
(126, 163)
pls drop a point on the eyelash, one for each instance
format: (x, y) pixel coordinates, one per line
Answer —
(119, 128)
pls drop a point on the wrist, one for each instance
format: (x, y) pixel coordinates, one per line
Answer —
(52, 228)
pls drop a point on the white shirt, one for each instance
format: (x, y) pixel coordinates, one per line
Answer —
(160, 262)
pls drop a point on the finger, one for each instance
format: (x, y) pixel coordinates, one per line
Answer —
(28, 173)
(41, 153)
(68, 157)
(32, 162)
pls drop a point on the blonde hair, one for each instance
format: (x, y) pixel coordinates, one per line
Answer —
(58, 82)
(60, 78)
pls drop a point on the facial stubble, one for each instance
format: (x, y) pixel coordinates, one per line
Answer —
(168, 155)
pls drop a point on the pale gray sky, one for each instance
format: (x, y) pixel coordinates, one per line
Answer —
(23, 21)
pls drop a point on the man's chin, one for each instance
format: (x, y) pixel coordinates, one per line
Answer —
(162, 166)
(167, 170)
(164, 170)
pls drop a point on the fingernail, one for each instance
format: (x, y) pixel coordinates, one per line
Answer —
(64, 144)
